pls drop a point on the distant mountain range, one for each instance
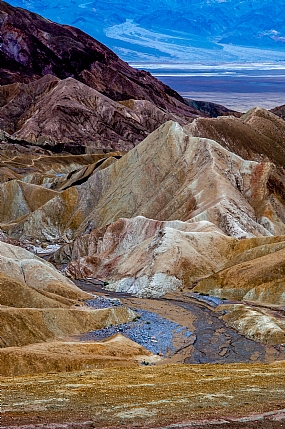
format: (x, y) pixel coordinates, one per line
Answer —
(163, 30)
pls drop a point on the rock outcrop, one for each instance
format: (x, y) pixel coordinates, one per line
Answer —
(146, 257)
(23, 266)
(257, 324)
(279, 111)
(151, 258)
(22, 169)
(254, 276)
(257, 135)
(25, 326)
(211, 109)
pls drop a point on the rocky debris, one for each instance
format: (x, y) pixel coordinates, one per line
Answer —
(170, 175)
(33, 46)
(209, 300)
(155, 333)
(103, 302)
(209, 340)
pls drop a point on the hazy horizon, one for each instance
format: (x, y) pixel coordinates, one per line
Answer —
(236, 86)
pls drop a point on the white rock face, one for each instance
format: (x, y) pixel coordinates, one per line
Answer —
(147, 287)
(149, 258)
(146, 257)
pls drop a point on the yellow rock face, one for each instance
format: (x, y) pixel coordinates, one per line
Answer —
(37, 302)
(22, 326)
(18, 199)
(59, 356)
(257, 274)
(27, 268)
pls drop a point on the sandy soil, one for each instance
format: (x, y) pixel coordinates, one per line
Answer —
(149, 397)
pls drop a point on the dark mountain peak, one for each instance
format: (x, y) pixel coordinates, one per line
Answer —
(32, 46)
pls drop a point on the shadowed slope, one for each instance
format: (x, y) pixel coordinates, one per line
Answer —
(279, 111)
(50, 112)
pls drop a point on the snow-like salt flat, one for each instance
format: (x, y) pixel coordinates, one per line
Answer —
(237, 86)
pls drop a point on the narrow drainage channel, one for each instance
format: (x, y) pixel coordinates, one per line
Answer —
(155, 333)
(218, 343)
(211, 340)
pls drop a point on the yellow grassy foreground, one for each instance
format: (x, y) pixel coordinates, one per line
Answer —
(144, 396)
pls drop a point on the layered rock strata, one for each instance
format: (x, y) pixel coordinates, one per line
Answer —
(151, 258)
(51, 112)
(170, 175)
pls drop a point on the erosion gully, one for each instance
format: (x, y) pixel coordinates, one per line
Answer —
(181, 327)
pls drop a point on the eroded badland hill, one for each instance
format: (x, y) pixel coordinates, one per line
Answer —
(142, 245)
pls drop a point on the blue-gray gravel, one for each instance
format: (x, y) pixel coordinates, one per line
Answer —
(152, 331)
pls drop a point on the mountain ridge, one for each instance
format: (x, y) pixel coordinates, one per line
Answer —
(35, 45)
(150, 30)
